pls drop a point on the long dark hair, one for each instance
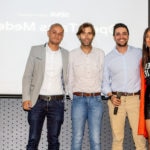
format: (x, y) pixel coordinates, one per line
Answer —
(145, 49)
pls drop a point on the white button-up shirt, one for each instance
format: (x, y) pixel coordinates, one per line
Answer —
(52, 83)
(85, 71)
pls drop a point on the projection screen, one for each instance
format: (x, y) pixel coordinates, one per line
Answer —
(24, 23)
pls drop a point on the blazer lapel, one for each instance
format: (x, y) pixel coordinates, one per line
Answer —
(43, 57)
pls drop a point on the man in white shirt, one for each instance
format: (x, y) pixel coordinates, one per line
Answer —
(84, 84)
(43, 88)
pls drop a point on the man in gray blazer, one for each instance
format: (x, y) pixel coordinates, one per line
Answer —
(43, 88)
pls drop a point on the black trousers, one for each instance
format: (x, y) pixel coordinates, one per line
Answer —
(147, 103)
(54, 112)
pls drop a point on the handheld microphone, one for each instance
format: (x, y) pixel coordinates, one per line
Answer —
(116, 108)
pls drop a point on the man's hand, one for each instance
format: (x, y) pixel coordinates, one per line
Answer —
(115, 101)
(27, 105)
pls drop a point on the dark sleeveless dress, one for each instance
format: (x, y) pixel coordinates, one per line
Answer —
(147, 92)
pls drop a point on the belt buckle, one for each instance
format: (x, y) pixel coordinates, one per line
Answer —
(124, 93)
(93, 94)
(49, 98)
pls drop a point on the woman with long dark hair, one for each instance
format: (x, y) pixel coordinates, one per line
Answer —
(144, 122)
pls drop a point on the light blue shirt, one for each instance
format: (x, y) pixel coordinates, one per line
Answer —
(122, 71)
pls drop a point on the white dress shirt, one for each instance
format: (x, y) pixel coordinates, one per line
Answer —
(122, 71)
(52, 83)
(85, 71)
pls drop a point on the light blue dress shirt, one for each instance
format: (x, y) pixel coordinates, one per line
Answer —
(122, 71)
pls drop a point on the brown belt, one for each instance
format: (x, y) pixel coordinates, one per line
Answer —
(86, 94)
(127, 94)
(51, 97)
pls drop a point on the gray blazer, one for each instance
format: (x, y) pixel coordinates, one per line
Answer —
(34, 72)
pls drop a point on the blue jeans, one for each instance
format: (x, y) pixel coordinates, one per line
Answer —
(90, 109)
(54, 111)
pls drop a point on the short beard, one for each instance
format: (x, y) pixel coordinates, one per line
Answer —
(89, 44)
(124, 45)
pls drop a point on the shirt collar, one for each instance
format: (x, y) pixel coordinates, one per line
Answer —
(49, 50)
(119, 52)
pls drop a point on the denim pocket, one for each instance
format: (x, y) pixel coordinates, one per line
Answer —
(99, 98)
